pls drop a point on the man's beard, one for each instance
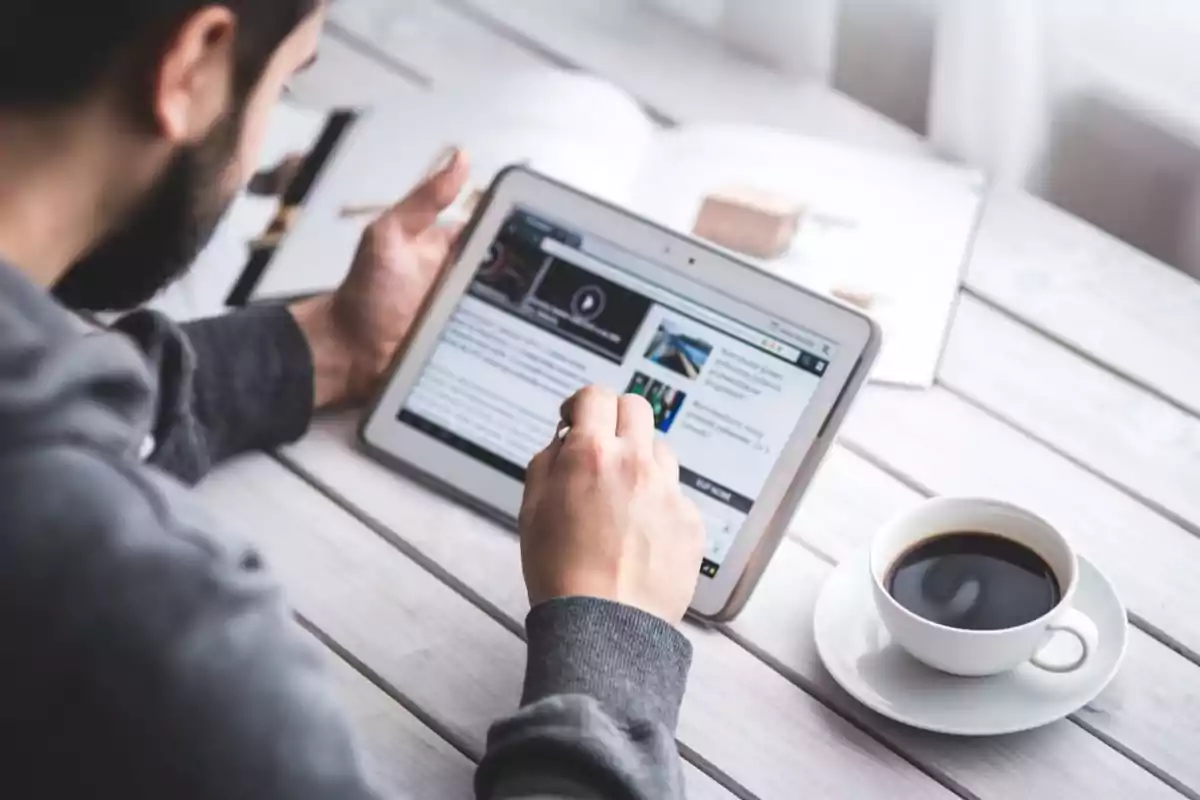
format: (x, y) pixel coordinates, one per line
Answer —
(161, 238)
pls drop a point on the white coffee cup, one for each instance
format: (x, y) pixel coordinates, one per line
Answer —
(961, 651)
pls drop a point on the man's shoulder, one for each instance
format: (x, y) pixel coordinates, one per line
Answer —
(57, 380)
(79, 517)
(146, 648)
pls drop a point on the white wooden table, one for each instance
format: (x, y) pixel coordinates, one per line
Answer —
(1071, 386)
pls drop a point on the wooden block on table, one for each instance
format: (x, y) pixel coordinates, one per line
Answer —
(749, 221)
(858, 296)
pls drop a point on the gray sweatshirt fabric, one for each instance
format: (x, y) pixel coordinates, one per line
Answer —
(147, 653)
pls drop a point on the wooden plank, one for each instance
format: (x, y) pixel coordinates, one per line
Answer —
(404, 758)
(1093, 292)
(701, 786)
(939, 442)
(629, 42)
(433, 647)
(1151, 711)
(754, 725)
(436, 648)
(435, 41)
(407, 759)
(1148, 447)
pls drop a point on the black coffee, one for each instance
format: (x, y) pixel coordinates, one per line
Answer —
(975, 581)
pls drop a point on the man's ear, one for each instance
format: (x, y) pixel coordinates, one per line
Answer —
(195, 73)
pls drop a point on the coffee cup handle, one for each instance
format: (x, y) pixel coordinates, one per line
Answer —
(1083, 629)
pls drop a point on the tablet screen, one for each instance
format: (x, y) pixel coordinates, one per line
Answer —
(553, 309)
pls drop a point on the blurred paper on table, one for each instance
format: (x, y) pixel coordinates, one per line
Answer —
(890, 235)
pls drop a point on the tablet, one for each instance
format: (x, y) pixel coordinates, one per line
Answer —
(550, 290)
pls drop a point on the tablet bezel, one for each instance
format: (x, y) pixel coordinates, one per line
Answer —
(724, 284)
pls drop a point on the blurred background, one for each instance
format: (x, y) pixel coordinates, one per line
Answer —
(1092, 106)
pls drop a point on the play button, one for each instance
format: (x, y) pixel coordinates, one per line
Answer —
(588, 302)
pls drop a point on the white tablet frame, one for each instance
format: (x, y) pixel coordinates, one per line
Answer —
(711, 278)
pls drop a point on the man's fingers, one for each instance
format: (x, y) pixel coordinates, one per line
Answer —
(536, 475)
(433, 248)
(666, 459)
(591, 411)
(538, 471)
(417, 212)
(635, 419)
(437, 242)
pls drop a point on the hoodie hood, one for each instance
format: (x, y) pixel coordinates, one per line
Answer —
(61, 381)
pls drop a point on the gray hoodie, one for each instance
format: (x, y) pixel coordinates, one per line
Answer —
(144, 653)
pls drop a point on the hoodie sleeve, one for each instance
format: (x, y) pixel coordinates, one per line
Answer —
(226, 385)
(603, 687)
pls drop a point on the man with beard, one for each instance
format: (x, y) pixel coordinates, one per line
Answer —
(146, 653)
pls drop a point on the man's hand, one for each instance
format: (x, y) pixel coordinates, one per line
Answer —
(354, 332)
(603, 514)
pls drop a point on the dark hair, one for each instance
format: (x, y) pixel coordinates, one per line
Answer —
(55, 52)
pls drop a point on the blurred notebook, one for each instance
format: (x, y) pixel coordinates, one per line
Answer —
(890, 234)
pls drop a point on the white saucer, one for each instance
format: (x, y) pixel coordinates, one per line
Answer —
(858, 651)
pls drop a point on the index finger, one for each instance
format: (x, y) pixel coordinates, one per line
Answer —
(591, 411)
(635, 419)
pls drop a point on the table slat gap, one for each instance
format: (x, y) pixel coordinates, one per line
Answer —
(983, 297)
(391, 691)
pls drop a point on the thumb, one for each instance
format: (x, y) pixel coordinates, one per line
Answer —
(418, 211)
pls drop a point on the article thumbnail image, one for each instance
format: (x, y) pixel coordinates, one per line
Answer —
(509, 269)
(665, 400)
(676, 351)
(513, 261)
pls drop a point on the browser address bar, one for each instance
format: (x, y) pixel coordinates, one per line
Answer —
(747, 334)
